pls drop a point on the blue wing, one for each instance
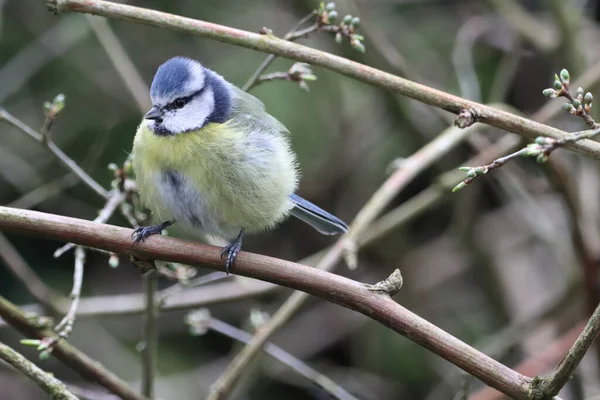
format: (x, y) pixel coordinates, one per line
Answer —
(319, 219)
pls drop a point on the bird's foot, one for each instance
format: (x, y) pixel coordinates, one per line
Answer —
(140, 234)
(232, 250)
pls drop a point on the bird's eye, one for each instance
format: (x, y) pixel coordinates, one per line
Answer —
(179, 103)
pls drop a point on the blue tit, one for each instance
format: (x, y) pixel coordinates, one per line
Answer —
(209, 157)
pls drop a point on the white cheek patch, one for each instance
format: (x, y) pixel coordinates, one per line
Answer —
(192, 116)
(196, 78)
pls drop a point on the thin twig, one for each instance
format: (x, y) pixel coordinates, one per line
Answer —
(115, 199)
(283, 48)
(65, 326)
(69, 355)
(541, 149)
(202, 320)
(253, 80)
(149, 343)
(334, 288)
(48, 383)
(58, 153)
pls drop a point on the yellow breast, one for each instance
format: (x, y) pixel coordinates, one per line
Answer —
(244, 178)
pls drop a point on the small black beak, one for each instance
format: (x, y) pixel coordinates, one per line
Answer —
(154, 113)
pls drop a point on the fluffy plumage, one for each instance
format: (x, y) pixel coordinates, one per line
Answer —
(209, 156)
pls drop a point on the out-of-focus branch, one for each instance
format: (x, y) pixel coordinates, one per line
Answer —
(498, 343)
(58, 153)
(69, 355)
(538, 363)
(200, 321)
(17, 71)
(560, 177)
(41, 193)
(551, 385)
(55, 388)
(32, 282)
(334, 288)
(270, 44)
(149, 343)
(462, 55)
(567, 16)
(539, 34)
(122, 62)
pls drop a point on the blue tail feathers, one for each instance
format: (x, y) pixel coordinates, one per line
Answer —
(316, 217)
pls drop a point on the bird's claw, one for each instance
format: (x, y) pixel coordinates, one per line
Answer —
(143, 232)
(232, 250)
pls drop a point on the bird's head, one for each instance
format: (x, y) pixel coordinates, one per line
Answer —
(185, 97)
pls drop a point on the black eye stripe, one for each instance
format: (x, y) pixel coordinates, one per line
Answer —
(174, 105)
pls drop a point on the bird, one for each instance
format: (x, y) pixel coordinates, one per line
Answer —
(209, 157)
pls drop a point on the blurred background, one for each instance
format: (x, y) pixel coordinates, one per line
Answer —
(508, 264)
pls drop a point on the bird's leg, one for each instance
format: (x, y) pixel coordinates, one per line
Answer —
(232, 250)
(140, 234)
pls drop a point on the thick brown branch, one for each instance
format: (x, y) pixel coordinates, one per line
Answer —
(270, 44)
(334, 288)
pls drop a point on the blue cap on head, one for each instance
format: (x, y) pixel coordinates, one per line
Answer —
(172, 77)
